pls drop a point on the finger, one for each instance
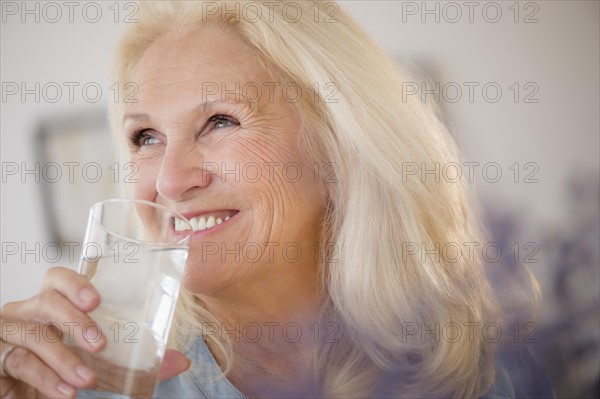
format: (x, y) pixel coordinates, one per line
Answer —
(25, 366)
(50, 308)
(75, 287)
(11, 388)
(173, 363)
(45, 341)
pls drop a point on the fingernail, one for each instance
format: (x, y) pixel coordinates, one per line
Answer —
(84, 373)
(99, 342)
(65, 389)
(188, 365)
(93, 336)
(87, 295)
(184, 363)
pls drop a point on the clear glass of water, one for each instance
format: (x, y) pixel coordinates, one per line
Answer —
(135, 258)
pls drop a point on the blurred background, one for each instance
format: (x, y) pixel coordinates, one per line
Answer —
(518, 82)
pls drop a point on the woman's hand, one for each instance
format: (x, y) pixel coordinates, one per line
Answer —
(41, 364)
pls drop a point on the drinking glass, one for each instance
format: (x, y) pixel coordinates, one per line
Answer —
(135, 257)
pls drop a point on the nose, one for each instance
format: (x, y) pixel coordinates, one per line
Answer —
(182, 170)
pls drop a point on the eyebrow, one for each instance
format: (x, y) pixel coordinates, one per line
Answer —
(203, 107)
(139, 116)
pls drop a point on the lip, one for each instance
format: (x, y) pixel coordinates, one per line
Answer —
(200, 233)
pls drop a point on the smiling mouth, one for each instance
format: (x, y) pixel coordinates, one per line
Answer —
(205, 221)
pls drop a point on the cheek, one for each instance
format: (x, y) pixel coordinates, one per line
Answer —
(144, 181)
(287, 184)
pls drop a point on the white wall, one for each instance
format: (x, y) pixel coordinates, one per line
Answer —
(42, 52)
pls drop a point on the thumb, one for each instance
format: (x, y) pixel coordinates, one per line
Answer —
(173, 363)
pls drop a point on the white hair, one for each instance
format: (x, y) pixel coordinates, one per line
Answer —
(370, 286)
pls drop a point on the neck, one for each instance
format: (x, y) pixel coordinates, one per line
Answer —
(268, 314)
(271, 295)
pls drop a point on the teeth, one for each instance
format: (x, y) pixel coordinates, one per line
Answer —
(180, 225)
(200, 223)
(211, 222)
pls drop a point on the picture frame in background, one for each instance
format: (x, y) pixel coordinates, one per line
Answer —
(77, 168)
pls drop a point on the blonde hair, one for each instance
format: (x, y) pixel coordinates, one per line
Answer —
(370, 132)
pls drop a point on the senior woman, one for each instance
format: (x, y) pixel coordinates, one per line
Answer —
(284, 121)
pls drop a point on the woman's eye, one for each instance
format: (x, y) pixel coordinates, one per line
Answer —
(142, 138)
(220, 121)
(149, 140)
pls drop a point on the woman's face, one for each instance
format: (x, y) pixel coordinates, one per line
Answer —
(216, 139)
